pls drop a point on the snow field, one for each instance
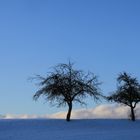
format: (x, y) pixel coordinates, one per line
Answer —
(57, 129)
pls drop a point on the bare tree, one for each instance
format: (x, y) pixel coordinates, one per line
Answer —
(65, 85)
(127, 93)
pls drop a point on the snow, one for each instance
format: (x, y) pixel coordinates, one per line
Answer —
(58, 129)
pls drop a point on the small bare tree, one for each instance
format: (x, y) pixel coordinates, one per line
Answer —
(127, 93)
(66, 85)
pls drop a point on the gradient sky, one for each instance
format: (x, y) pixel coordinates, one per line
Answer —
(102, 36)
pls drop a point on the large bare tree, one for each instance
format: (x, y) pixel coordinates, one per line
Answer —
(65, 85)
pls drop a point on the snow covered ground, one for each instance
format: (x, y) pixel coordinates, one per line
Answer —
(54, 129)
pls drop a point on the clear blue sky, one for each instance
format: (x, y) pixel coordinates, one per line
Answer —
(102, 36)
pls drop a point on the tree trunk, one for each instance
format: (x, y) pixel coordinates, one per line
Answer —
(132, 114)
(69, 112)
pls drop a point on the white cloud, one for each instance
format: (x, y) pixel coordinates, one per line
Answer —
(101, 111)
(23, 116)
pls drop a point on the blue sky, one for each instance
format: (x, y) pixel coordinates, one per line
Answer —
(99, 36)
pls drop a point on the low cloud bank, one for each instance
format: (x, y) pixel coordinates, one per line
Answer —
(101, 112)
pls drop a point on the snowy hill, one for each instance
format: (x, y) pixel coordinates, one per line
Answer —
(98, 129)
